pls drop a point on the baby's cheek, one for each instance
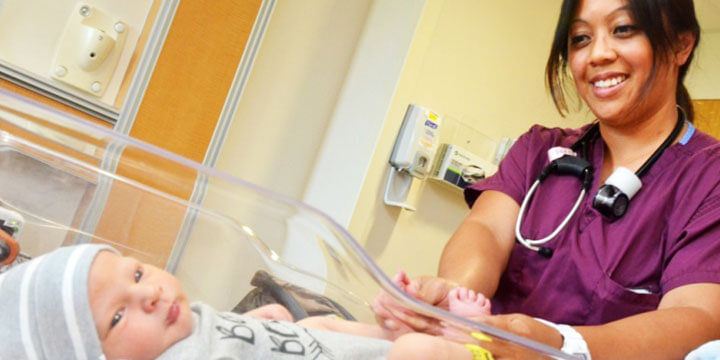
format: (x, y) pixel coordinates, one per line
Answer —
(186, 327)
(137, 341)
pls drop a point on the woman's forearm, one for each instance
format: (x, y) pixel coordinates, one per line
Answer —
(474, 259)
(661, 334)
(687, 317)
(477, 253)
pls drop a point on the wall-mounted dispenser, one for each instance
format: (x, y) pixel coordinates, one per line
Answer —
(413, 153)
(89, 49)
(459, 167)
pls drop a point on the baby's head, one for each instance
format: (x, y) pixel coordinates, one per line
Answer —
(87, 301)
(139, 309)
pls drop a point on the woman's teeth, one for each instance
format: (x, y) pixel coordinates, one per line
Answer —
(609, 82)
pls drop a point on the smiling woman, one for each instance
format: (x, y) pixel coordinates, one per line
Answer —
(608, 45)
(618, 283)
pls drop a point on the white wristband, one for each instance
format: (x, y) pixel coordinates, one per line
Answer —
(573, 342)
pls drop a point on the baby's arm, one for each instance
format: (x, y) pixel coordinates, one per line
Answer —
(328, 323)
(400, 280)
(271, 312)
(407, 346)
(462, 301)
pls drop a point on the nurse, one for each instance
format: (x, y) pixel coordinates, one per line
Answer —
(643, 286)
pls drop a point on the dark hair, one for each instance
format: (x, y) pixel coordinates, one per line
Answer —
(662, 21)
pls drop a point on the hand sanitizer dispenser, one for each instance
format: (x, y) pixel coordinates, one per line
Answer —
(416, 143)
(412, 154)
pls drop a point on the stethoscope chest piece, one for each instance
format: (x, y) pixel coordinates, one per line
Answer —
(613, 198)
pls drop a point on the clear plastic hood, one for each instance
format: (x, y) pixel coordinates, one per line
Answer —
(73, 182)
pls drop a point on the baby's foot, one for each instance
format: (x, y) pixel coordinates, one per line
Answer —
(467, 303)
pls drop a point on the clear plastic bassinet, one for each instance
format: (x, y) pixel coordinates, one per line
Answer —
(72, 182)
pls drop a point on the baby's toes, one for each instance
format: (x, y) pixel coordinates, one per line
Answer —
(480, 299)
(403, 277)
(454, 294)
(397, 279)
(463, 294)
(401, 280)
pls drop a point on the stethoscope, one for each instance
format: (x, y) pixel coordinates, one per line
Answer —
(613, 197)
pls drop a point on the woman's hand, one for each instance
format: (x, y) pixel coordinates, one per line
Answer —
(394, 317)
(271, 312)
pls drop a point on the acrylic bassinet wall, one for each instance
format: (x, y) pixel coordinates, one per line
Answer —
(74, 182)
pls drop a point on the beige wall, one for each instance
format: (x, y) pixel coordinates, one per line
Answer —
(31, 31)
(292, 91)
(480, 62)
(273, 140)
(703, 77)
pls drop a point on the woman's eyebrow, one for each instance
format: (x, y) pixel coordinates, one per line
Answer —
(576, 20)
(619, 11)
(611, 14)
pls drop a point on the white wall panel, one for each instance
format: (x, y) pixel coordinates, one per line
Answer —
(30, 31)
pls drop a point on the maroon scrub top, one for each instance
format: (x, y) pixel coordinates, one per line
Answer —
(601, 270)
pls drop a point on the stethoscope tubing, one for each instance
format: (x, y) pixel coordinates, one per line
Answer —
(532, 244)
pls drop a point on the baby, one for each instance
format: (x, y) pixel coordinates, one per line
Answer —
(89, 302)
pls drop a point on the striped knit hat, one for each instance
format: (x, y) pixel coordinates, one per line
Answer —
(44, 307)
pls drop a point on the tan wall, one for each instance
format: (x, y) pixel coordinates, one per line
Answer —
(703, 76)
(291, 93)
(702, 83)
(707, 116)
(480, 62)
(280, 122)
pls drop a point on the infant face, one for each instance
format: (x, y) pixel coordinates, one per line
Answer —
(139, 310)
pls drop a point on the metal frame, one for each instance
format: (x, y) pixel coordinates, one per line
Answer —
(31, 82)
